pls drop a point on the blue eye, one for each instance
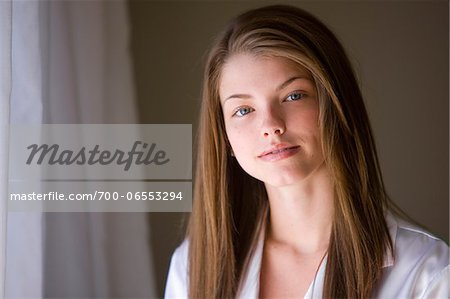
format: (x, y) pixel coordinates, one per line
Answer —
(243, 111)
(295, 96)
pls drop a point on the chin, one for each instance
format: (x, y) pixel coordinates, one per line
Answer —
(284, 180)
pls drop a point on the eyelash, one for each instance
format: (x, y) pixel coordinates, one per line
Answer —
(300, 94)
(295, 93)
(241, 108)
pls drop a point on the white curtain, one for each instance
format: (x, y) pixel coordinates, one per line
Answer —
(24, 243)
(5, 93)
(68, 62)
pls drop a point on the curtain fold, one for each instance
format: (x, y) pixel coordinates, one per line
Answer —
(5, 94)
(24, 238)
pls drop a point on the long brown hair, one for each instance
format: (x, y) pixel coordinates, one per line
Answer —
(230, 206)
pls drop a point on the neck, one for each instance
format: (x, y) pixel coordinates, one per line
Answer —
(301, 215)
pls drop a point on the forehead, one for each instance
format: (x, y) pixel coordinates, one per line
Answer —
(243, 72)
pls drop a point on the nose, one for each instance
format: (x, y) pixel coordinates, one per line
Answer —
(273, 124)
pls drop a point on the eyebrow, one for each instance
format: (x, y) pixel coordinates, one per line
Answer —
(282, 85)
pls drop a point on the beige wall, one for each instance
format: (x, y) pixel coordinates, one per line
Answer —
(399, 51)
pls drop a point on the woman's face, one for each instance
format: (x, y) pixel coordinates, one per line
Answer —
(271, 111)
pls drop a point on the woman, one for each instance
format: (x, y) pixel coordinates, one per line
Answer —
(289, 200)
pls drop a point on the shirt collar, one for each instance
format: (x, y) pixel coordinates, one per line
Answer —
(250, 284)
(249, 287)
(392, 225)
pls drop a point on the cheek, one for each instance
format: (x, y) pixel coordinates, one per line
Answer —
(241, 142)
(235, 138)
(304, 122)
(243, 151)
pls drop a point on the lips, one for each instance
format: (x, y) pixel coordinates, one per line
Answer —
(279, 152)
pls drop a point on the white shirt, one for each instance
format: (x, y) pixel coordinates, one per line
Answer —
(420, 268)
